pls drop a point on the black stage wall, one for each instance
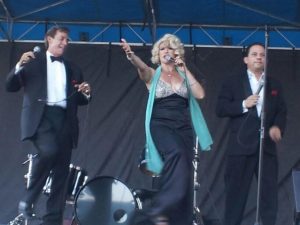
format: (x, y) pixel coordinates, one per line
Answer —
(112, 133)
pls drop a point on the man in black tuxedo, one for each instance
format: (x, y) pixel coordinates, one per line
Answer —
(240, 99)
(53, 89)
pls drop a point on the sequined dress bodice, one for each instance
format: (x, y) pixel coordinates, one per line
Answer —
(164, 89)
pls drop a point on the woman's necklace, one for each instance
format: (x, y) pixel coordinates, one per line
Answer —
(169, 74)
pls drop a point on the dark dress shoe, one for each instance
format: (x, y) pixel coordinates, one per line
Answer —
(26, 210)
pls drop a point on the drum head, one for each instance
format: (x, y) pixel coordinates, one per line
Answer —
(104, 201)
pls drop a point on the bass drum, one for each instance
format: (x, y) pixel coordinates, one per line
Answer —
(105, 201)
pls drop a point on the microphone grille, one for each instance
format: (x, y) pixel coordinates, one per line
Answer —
(36, 49)
(168, 58)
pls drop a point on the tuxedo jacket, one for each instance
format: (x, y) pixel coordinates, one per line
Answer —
(33, 79)
(244, 128)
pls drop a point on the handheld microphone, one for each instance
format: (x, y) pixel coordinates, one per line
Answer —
(169, 58)
(261, 85)
(36, 50)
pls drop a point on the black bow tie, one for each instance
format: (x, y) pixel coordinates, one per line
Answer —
(59, 58)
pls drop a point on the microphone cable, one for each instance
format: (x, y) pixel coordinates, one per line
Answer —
(69, 97)
(40, 100)
(251, 110)
(243, 125)
(55, 102)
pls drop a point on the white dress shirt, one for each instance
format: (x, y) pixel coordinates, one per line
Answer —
(56, 83)
(254, 83)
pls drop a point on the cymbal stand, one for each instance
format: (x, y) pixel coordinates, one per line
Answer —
(197, 217)
(20, 220)
(29, 173)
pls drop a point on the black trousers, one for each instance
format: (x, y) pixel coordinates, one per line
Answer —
(238, 177)
(53, 145)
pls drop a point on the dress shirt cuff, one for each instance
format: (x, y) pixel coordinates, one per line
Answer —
(244, 107)
(88, 96)
(18, 68)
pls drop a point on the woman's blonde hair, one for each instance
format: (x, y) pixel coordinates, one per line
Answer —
(171, 41)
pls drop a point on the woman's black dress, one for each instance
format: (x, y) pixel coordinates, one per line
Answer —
(172, 133)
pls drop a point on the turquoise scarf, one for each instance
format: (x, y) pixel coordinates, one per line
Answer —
(152, 156)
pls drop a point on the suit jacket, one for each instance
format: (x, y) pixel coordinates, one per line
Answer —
(33, 78)
(244, 128)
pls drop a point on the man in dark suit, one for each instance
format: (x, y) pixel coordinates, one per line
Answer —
(53, 88)
(241, 99)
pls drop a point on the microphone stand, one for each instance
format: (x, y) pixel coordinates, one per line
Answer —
(197, 218)
(262, 132)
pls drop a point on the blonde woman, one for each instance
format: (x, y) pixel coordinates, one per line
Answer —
(172, 117)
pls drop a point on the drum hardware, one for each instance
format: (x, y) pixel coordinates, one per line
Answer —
(78, 184)
(107, 201)
(48, 184)
(142, 196)
(138, 200)
(76, 179)
(28, 175)
(79, 180)
(20, 220)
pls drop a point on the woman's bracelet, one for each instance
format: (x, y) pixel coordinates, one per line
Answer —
(129, 53)
(193, 83)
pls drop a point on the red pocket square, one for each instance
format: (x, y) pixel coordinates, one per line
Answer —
(274, 92)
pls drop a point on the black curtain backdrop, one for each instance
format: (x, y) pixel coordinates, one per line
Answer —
(112, 126)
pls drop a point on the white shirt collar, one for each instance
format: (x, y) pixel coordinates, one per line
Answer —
(252, 75)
